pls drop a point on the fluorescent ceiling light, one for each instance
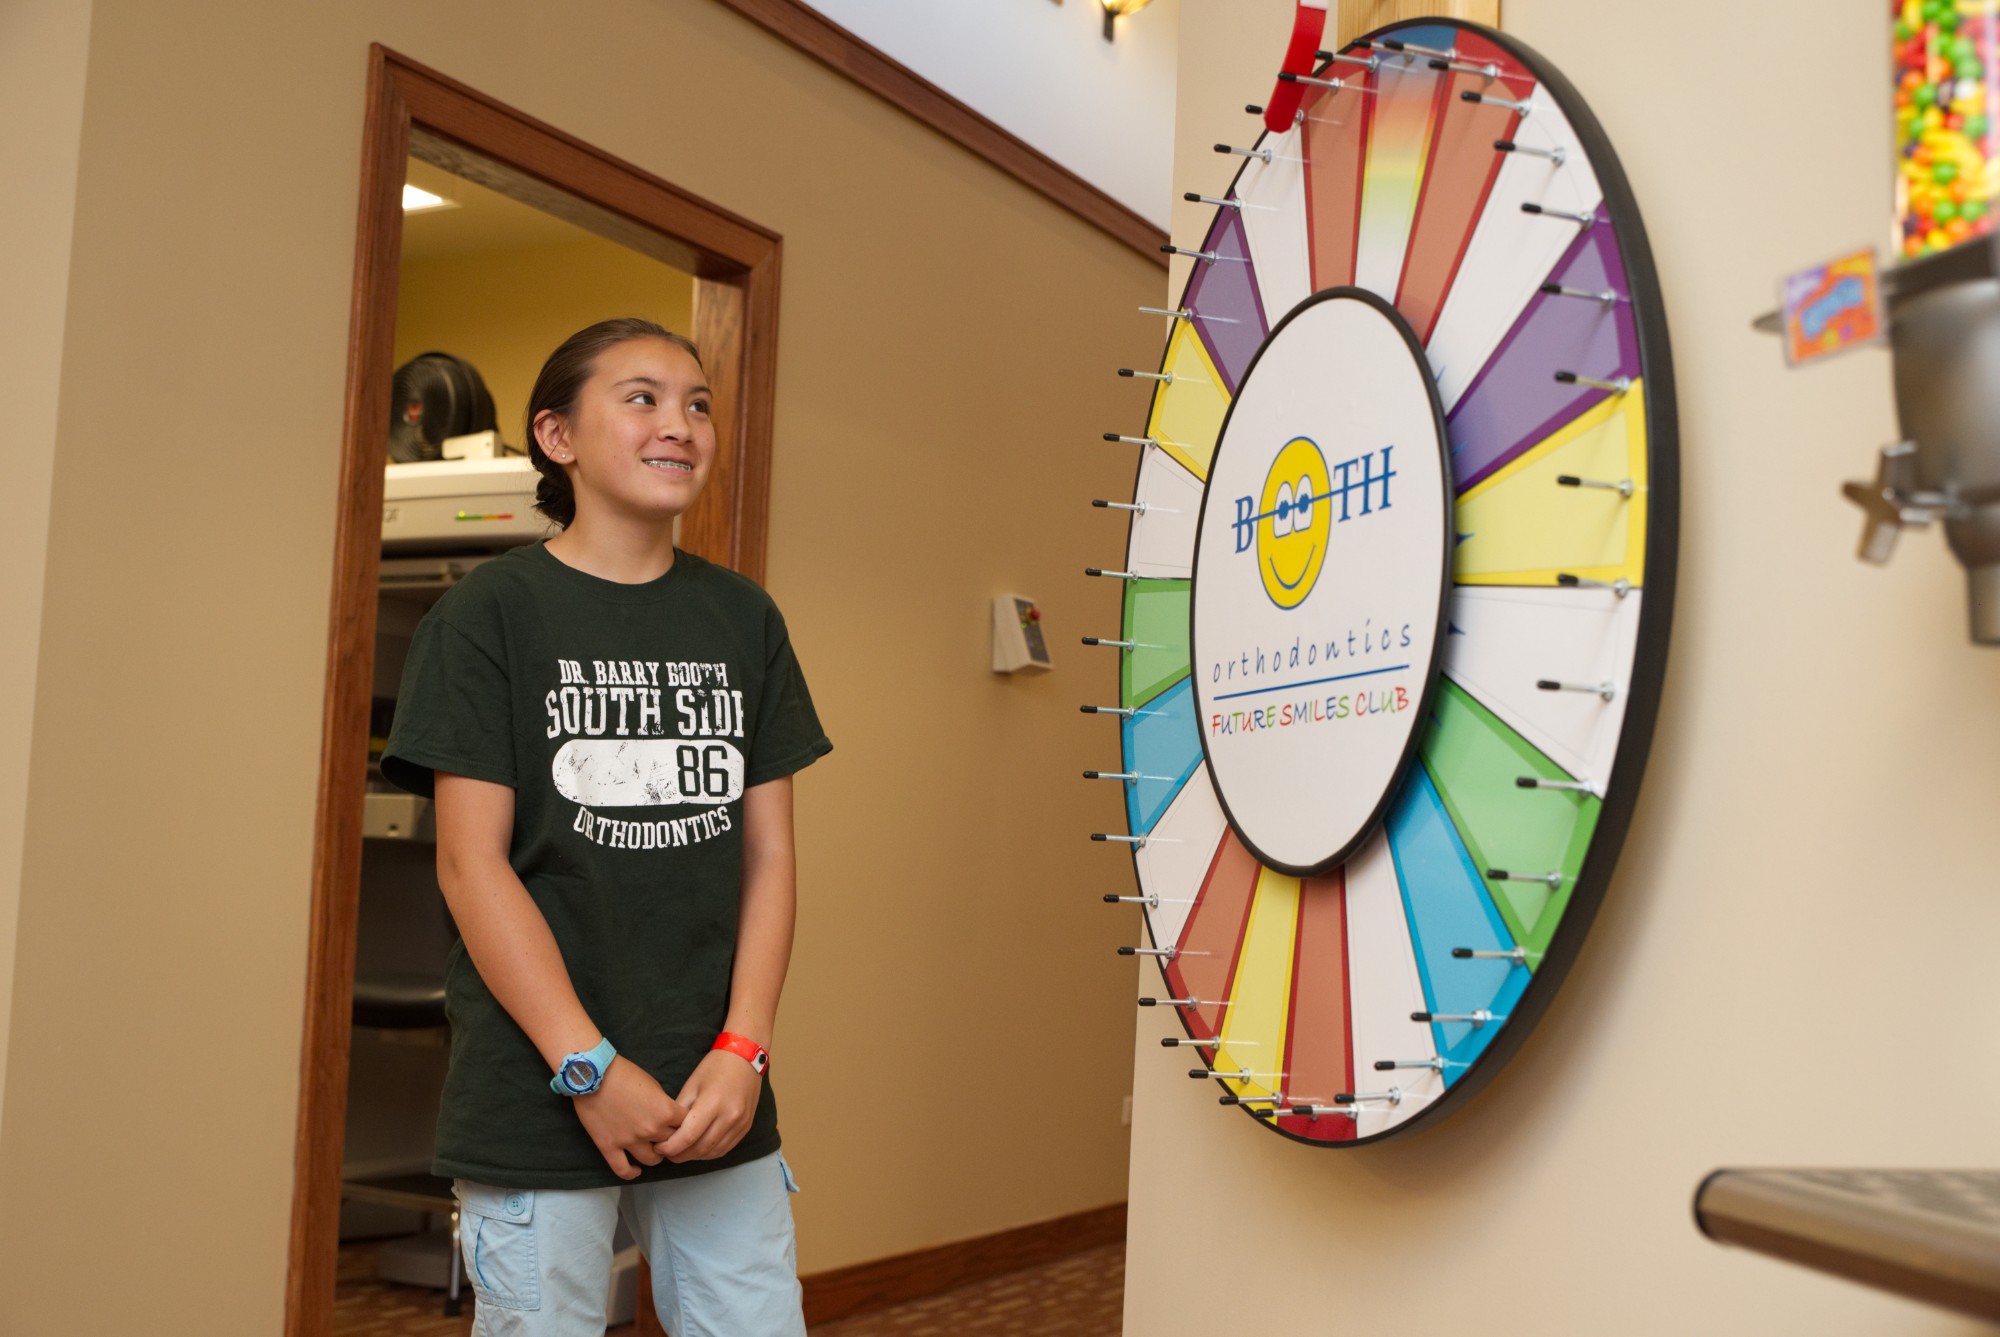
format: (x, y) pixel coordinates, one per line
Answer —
(417, 200)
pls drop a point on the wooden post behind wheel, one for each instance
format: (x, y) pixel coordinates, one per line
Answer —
(1355, 17)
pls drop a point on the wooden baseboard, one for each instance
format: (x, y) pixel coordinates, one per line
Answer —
(912, 1276)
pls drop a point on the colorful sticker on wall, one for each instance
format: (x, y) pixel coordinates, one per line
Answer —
(1831, 308)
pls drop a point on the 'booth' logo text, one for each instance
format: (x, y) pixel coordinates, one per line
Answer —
(1289, 525)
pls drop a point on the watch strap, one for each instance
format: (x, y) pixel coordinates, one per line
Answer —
(758, 1057)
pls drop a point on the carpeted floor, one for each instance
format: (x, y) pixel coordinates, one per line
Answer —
(364, 1306)
(1079, 1296)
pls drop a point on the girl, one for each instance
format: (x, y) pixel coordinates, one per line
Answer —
(609, 727)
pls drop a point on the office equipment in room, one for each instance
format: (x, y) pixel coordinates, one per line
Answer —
(397, 817)
(435, 396)
(1930, 1235)
(462, 505)
(1018, 643)
(472, 446)
(1397, 580)
(402, 940)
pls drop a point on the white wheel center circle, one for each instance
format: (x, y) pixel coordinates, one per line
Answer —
(1319, 580)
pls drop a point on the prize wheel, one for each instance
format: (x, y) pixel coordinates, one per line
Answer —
(1398, 583)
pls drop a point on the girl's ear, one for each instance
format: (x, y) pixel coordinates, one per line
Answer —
(552, 434)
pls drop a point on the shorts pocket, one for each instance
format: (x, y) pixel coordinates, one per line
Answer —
(496, 1233)
(785, 1168)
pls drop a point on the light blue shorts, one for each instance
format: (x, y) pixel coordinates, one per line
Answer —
(719, 1245)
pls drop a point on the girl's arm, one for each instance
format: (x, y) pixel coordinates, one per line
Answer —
(721, 1094)
(518, 959)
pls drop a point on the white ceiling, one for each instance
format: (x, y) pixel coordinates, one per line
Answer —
(1042, 69)
(1039, 68)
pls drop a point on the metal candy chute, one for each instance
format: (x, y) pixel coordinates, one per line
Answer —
(1944, 332)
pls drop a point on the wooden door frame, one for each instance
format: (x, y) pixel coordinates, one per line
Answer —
(735, 263)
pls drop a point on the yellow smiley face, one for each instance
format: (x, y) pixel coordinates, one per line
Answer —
(1293, 522)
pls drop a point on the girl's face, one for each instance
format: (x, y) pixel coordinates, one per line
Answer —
(639, 439)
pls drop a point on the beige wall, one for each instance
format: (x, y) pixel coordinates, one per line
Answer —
(43, 45)
(505, 311)
(955, 1041)
(1794, 963)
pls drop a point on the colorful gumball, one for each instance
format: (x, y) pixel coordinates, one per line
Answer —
(1948, 161)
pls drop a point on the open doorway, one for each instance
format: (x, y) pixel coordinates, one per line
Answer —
(486, 286)
(538, 235)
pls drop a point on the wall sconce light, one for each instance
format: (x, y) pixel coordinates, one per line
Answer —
(1117, 9)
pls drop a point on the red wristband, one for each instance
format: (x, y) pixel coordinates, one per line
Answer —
(747, 1049)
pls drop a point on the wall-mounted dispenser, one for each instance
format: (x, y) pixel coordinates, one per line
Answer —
(1944, 299)
(1944, 334)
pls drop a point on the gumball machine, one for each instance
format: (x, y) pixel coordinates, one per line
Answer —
(1943, 299)
(1947, 90)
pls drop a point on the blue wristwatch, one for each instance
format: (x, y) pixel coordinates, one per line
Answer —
(583, 1072)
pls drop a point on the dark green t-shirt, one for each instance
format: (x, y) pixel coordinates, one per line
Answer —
(628, 720)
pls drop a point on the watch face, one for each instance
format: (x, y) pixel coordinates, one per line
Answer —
(579, 1074)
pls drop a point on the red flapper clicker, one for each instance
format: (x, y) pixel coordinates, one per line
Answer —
(1308, 27)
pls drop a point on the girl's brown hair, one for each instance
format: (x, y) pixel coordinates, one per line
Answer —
(561, 380)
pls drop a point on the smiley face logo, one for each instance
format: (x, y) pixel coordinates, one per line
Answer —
(1294, 519)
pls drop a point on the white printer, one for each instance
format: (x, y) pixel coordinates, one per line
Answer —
(474, 500)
